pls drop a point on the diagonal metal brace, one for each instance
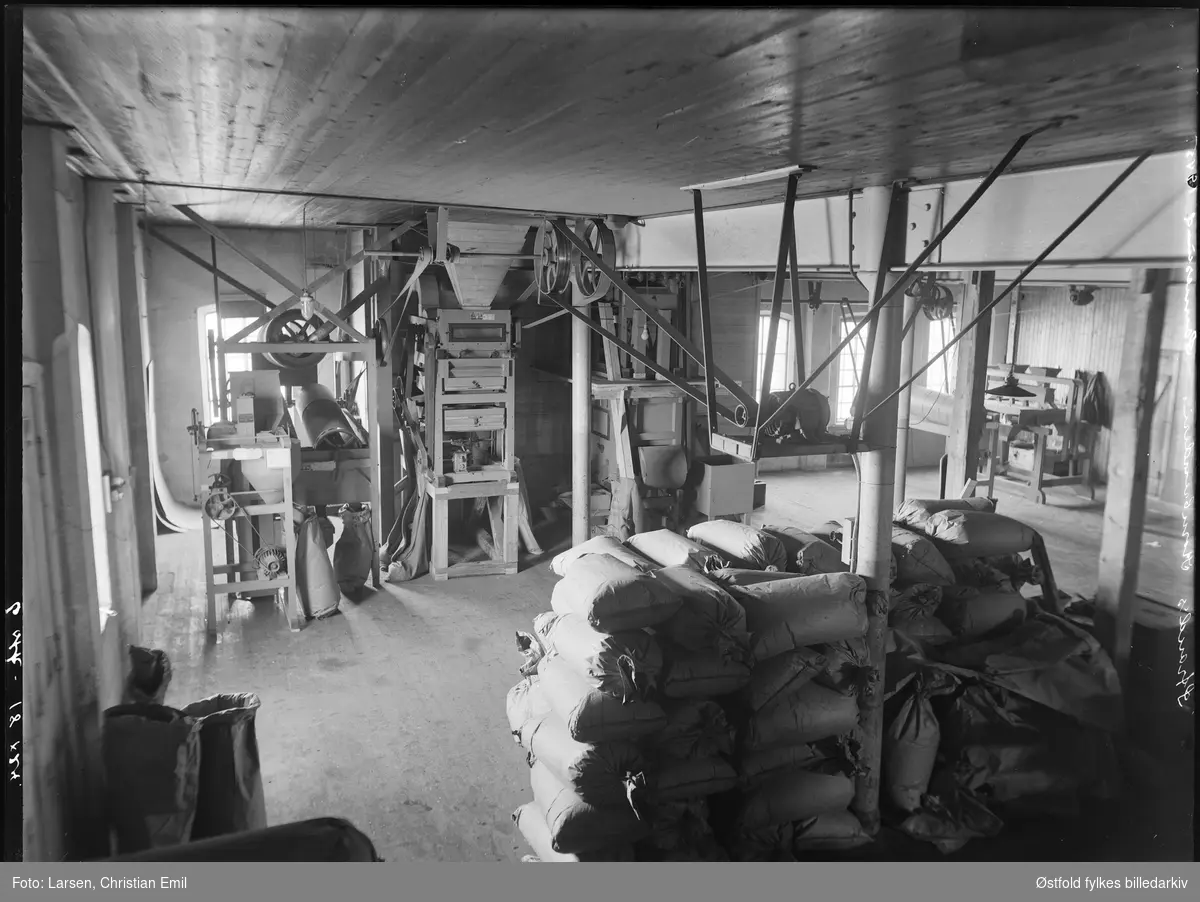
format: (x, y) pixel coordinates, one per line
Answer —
(652, 314)
(925, 254)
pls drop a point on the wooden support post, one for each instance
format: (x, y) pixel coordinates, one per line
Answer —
(904, 404)
(105, 294)
(1129, 464)
(885, 218)
(966, 426)
(136, 344)
(581, 416)
(612, 363)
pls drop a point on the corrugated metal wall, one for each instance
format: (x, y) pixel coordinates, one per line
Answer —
(1053, 332)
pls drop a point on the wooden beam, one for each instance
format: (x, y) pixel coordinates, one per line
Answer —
(1129, 465)
(134, 328)
(252, 259)
(966, 427)
(208, 267)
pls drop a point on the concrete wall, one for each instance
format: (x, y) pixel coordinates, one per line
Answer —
(176, 290)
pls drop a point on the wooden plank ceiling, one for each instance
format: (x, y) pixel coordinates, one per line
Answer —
(605, 112)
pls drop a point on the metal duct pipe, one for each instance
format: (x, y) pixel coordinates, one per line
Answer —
(323, 420)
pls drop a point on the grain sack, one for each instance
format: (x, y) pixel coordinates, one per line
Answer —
(696, 728)
(834, 831)
(152, 774)
(624, 664)
(970, 613)
(230, 797)
(772, 843)
(918, 559)
(704, 674)
(915, 512)
(966, 534)
(574, 825)
(846, 665)
(612, 595)
(910, 747)
(780, 676)
(812, 713)
(599, 774)
(743, 545)
(834, 532)
(753, 766)
(680, 831)
(1005, 572)
(526, 706)
(316, 582)
(914, 613)
(354, 553)
(692, 779)
(794, 796)
(708, 619)
(732, 576)
(532, 824)
(592, 715)
(149, 676)
(807, 554)
(669, 549)
(600, 545)
(805, 610)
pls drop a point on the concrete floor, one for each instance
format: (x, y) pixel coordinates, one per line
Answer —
(392, 714)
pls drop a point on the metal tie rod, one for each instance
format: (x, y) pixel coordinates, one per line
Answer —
(912, 267)
(1020, 278)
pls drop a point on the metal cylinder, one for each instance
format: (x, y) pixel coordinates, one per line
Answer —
(323, 421)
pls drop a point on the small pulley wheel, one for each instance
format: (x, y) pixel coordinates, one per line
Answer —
(292, 327)
(589, 282)
(552, 263)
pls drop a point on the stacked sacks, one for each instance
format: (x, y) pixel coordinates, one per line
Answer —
(669, 549)
(706, 658)
(806, 553)
(741, 545)
(587, 714)
(799, 712)
(977, 556)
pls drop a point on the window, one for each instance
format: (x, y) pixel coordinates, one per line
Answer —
(942, 375)
(783, 369)
(234, 363)
(849, 365)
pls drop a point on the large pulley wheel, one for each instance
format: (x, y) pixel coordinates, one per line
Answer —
(552, 263)
(589, 282)
(292, 327)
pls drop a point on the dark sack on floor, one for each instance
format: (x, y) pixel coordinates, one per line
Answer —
(526, 706)
(592, 715)
(780, 676)
(152, 775)
(743, 545)
(574, 825)
(315, 580)
(803, 611)
(612, 596)
(601, 545)
(807, 554)
(149, 677)
(411, 559)
(915, 512)
(811, 713)
(970, 613)
(967, 534)
(708, 619)
(703, 674)
(694, 779)
(231, 796)
(910, 748)
(624, 664)
(918, 559)
(696, 728)
(794, 796)
(601, 774)
(834, 831)
(669, 549)
(913, 612)
(532, 824)
(354, 552)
